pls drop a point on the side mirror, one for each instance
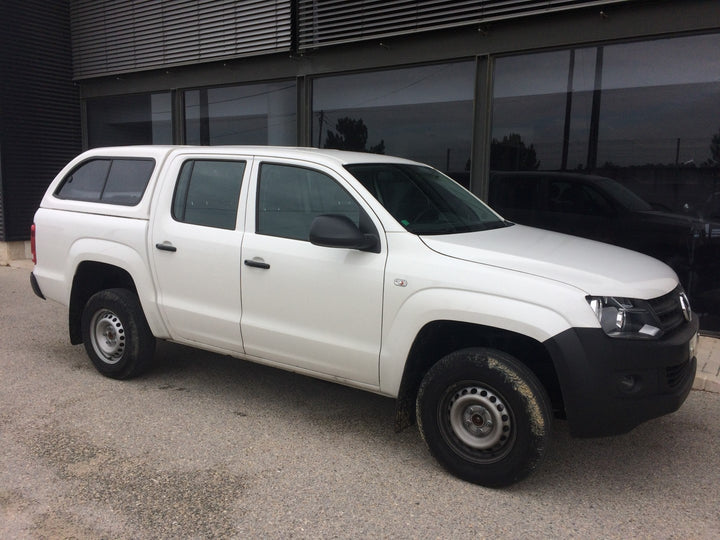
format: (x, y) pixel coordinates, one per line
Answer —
(338, 231)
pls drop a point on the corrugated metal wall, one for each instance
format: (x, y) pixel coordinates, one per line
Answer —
(39, 107)
(116, 36)
(330, 22)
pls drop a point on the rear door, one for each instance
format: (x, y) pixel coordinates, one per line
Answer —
(316, 308)
(195, 243)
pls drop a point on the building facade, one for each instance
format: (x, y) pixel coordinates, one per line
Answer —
(627, 90)
(39, 111)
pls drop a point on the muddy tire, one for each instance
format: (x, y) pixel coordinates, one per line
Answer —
(116, 334)
(484, 416)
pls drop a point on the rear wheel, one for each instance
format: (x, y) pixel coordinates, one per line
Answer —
(117, 337)
(484, 416)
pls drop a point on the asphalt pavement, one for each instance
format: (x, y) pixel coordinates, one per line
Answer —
(206, 446)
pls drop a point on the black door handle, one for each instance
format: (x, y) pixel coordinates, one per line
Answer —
(166, 247)
(257, 264)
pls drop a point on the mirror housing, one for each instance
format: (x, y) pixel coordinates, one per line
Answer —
(339, 231)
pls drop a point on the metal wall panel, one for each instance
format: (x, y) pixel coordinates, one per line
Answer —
(118, 36)
(330, 22)
(39, 107)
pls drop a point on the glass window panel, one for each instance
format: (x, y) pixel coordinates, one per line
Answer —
(687, 60)
(641, 118)
(423, 200)
(207, 193)
(248, 114)
(118, 181)
(541, 110)
(531, 75)
(422, 113)
(515, 193)
(577, 198)
(289, 198)
(86, 182)
(130, 119)
(161, 116)
(658, 119)
(127, 180)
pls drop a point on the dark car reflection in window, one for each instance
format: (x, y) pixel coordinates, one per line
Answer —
(602, 209)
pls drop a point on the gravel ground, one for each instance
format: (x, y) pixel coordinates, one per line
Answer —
(210, 446)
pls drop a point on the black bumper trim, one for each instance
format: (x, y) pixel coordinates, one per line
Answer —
(610, 386)
(35, 286)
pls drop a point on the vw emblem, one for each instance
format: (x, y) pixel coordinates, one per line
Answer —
(685, 306)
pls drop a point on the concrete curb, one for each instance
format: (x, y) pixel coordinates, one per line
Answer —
(708, 369)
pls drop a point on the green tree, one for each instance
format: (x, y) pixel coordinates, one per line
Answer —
(511, 154)
(351, 134)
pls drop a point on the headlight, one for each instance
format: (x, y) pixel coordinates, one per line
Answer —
(625, 317)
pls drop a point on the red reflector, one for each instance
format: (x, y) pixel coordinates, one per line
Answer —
(32, 244)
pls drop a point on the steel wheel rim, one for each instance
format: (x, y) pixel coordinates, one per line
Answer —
(477, 423)
(107, 336)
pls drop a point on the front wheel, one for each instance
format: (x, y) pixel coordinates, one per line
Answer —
(484, 416)
(116, 334)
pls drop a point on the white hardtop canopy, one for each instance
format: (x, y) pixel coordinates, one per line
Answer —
(318, 155)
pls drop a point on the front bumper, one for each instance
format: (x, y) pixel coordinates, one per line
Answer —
(609, 386)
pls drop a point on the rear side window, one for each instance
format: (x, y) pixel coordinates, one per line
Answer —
(108, 180)
(207, 193)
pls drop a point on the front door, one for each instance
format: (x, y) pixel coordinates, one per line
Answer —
(307, 306)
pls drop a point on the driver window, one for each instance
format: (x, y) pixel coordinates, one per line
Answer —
(576, 198)
(290, 197)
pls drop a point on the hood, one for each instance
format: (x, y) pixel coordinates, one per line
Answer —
(680, 221)
(690, 225)
(597, 269)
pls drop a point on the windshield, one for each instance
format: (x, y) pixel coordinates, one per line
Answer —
(624, 196)
(423, 200)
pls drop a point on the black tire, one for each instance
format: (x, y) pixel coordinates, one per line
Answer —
(484, 416)
(116, 334)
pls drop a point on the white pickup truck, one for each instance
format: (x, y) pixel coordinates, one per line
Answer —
(372, 271)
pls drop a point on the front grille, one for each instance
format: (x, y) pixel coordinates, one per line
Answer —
(676, 375)
(668, 310)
